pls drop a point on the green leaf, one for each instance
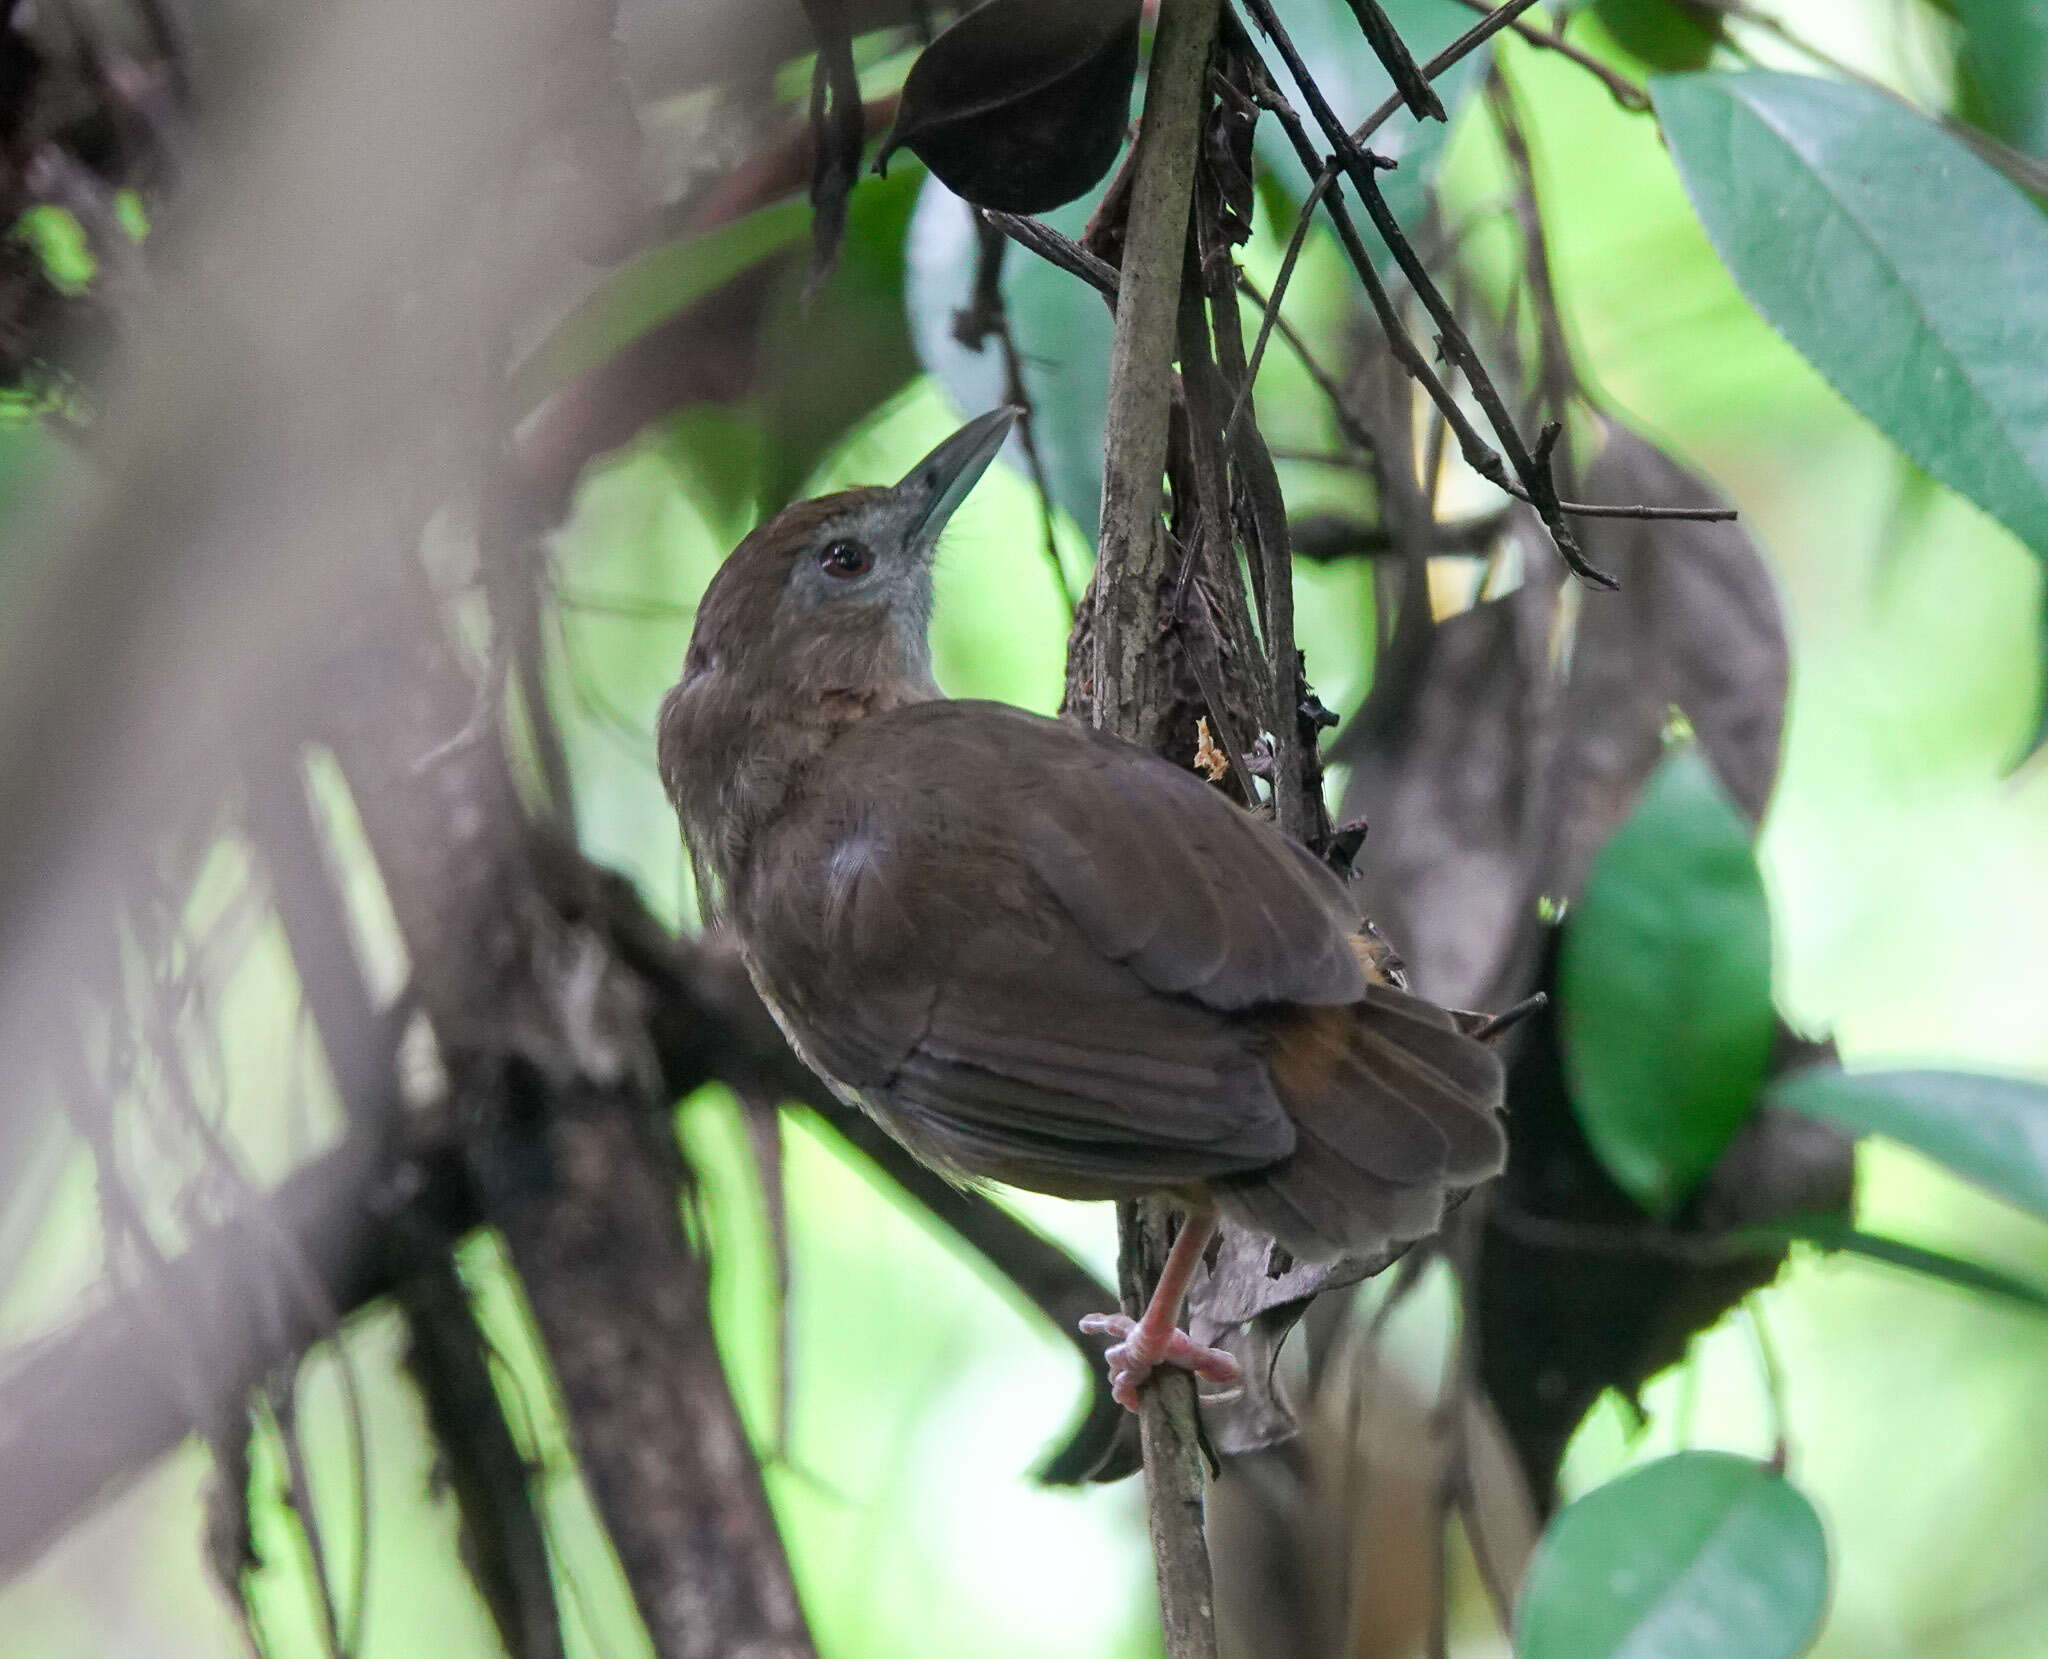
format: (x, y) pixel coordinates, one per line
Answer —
(1664, 985)
(1912, 276)
(1989, 1129)
(651, 288)
(1704, 1555)
(1665, 34)
(2002, 69)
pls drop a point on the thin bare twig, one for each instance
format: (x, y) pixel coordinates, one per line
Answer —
(1348, 422)
(1325, 178)
(1557, 380)
(1592, 509)
(1625, 92)
(1530, 462)
(1057, 250)
(1773, 1376)
(986, 315)
(1410, 83)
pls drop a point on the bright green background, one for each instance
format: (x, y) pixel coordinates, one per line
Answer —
(1908, 878)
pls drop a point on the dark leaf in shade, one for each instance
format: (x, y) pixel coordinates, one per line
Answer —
(1665, 34)
(1489, 788)
(1022, 104)
(1578, 1292)
(1489, 784)
(1695, 628)
(1454, 800)
(1249, 1299)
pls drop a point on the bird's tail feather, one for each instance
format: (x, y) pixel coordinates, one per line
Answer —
(1394, 1109)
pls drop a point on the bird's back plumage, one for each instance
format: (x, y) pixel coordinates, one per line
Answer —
(1047, 957)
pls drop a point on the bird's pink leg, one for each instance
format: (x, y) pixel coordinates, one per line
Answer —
(1154, 1338)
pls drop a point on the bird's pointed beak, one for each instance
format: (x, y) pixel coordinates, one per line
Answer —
(936, 486)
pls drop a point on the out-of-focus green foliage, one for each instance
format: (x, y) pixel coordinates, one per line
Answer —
(1697, 1556)
(1666, 34)
(1992, 1130)
(2003, 69)
(651, 288)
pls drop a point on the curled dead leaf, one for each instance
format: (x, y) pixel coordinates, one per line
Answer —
(1021, 105)
(1527, 725)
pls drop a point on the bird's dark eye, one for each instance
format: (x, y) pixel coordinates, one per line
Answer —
(846, 560)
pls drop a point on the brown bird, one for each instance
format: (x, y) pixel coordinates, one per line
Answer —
(1038, 954)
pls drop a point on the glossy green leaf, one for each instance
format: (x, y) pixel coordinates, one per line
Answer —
(2002, 69)
(1989, 1129)
(1664, 985)
(651, 288)
(1912, 276)
(1704, 1555)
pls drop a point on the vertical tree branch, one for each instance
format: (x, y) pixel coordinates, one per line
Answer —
(503, 1542)
(1121, 680)
(544, 1036)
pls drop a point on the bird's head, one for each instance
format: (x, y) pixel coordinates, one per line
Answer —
(819, 617)
(829, 603)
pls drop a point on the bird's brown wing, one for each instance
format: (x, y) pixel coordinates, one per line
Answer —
(1156, 868)
(1048, 1066)
(1162, 872)
(1025, 944)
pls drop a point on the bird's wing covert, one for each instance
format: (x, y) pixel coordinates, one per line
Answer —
(1163, 872)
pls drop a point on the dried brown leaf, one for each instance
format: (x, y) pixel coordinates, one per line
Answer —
(1522, 737)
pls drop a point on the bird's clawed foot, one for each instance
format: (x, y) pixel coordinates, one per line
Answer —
(1141, 1349)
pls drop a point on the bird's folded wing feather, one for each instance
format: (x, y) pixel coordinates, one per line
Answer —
(1026, 941)
(1155, 867)
(1048, 1065)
